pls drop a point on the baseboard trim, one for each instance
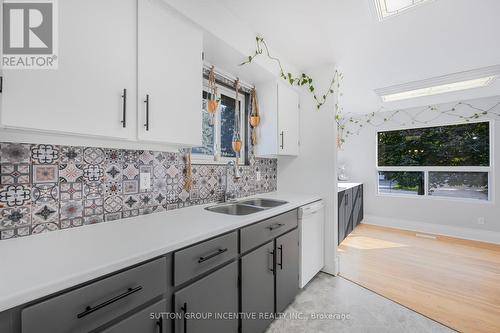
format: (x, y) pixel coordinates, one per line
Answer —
(438, 229)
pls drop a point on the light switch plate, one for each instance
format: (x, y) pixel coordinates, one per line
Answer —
(257, 175)
(145, 181)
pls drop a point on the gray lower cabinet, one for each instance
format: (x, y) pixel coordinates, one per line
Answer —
(98, 303)
(257, 289)
(199, 304)
(149, 320)
(350, 211)
(287, 269)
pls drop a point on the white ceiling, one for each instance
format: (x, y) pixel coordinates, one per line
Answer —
(435, 39)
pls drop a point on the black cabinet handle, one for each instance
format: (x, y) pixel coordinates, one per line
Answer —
(282, 140)
(275, 226)
(159, 323)
(124, 116)
(271, 253)
(184, 309)
(210, 256)
(280, 264)
(147, 113)
(346, 199)
(89, 309)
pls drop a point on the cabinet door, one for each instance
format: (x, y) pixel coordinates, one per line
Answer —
(349, 211)
(288, 120)
(287, 269)
(149, 320)
(257, 287)
(341, 216)
(97, 60)
(170, 76)
(213, 295)
(357, 199)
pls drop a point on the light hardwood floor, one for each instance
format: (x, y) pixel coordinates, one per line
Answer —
(455, 282)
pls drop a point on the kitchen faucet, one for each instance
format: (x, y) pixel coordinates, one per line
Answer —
(227, 195)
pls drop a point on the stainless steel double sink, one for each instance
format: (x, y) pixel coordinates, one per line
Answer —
(246, 206)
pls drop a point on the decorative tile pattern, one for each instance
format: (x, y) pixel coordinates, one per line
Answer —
(93, 190)
(70, 173)
(92, 173)
(93, 219)
(71, 191)
(93, 155)
(44, 154)
(113, 172)
(44, 227)
(130, 186)
(14, 153)
(44, 213)
(41, 193)
(14, 195)
(14, 173)
(71, 155)
(113, 204)
(11, 218)
(71, 210)
(45, 174)
(93, 207)
(46, 187)
(112, 188)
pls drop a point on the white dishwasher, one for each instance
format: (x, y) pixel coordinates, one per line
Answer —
(311, 231)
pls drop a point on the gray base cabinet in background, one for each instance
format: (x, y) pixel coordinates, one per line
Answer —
(215, 294)
(253, 270)
(287, 269)
(257, 288)
(350, 211)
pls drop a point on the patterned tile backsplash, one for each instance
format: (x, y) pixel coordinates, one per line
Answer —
(47, 187)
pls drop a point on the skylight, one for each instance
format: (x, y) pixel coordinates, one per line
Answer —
(388, 8)
(439, 89)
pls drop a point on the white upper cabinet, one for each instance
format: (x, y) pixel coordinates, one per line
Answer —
(170, 76)
(278, 133)
(97, 61)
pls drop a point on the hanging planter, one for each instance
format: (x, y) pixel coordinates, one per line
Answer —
(254, 115)
(236, 142)
(213, 101)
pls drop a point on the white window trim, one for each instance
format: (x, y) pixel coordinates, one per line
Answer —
(426, 169)
(209, 159)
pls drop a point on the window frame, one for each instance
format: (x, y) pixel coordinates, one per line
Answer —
(209, 159)
(427, 169)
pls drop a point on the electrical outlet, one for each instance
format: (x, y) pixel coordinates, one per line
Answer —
(145, 181)
(480, 220)
(257, 175)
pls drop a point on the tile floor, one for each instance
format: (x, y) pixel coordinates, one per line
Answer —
(362, 311)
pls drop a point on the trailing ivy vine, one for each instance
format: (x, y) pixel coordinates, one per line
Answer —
(301, 80)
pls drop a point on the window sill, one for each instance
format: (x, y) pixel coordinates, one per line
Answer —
(435, 198)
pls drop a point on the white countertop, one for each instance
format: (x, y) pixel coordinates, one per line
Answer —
(345, 186)
(39, 265)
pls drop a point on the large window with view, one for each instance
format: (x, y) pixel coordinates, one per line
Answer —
(452, 161)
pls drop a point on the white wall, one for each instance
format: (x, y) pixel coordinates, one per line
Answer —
(454, 218)
(314, 171)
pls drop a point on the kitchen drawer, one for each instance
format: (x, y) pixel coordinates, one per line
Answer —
(142, 322)
(262, 232)
(91, 306)
(200, 258)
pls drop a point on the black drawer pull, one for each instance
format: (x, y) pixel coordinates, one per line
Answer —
(275, 226)
(184, 316)
(147, 113)
(124, 116)
(210, 256)
(159, 323)
(273, 263)
(280, 264)
(89, 309)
